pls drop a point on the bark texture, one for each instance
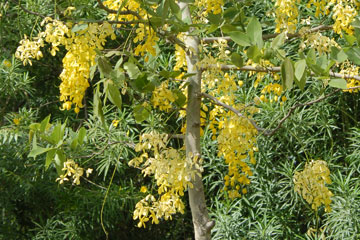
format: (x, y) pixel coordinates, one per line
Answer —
(200, 217)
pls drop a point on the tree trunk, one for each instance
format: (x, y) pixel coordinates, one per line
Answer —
(200, 217)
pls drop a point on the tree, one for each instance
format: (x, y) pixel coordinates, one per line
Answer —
(207, 88)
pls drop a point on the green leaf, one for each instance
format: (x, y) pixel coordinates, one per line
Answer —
(254, 53)
(104, 65)
(240, 38)
(181, 98)
(44, 123)
(59, 160)
(237, 60)
(79, 27)
(81, 135)
(49, 158)
(300, 69)
(254, 32)
(338, 54)
(132, 70)
(231, 13)
(98, 112)
(338, 83)
(279, 40)
(214, 19)
(287, 73)
(56, 136)
(354, 55)
(37, 150)
(141, 113)
(112, 53)
(175, 9)
(350, 39)
(142, 84)
(114, 94)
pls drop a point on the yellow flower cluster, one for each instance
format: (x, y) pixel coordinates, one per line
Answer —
(235, 135)
(344, 12)
(317, 41)
(210, 6)
(143, 32)
(310, 184)
(236, 142)
(29, 50)
(321, 6)
(286, 15)
(80, 56)
(73, 170)
(172, 172)
(351, 70)
(162, 97)
(180, 56)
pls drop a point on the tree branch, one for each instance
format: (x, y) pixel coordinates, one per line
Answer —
(271, 132)
(217, 102)
(276, 69)
(28, 11)
(269, 36)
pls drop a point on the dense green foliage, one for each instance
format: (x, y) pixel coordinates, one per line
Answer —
(34, 206)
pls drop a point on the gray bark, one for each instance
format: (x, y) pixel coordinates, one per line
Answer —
(200, 217)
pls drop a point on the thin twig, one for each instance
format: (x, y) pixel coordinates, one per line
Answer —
(99, 186)
(28, 11)
(271, 132)
(270, 36)
(217, 102)
(276, 69)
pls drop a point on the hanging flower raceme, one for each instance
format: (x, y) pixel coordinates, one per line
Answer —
(310, 184)
(80, 56)
(172, 172)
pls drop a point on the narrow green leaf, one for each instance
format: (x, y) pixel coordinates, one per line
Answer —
(81, 135)
(49, 158)
(104, 65)
(59, 160)
(300, 69)
(98, 112)
(132, 70)
(287, 73)
(55, 135)
(175, 9)
(338, 83)
(44, 123)
(114, 94)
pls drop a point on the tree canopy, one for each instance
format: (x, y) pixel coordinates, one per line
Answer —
(249, 108)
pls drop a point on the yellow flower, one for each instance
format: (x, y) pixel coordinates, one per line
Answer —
(115, 122)
(143, 189)
(7, 63)
(16, 121)
(89, 171)
(68, 11)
